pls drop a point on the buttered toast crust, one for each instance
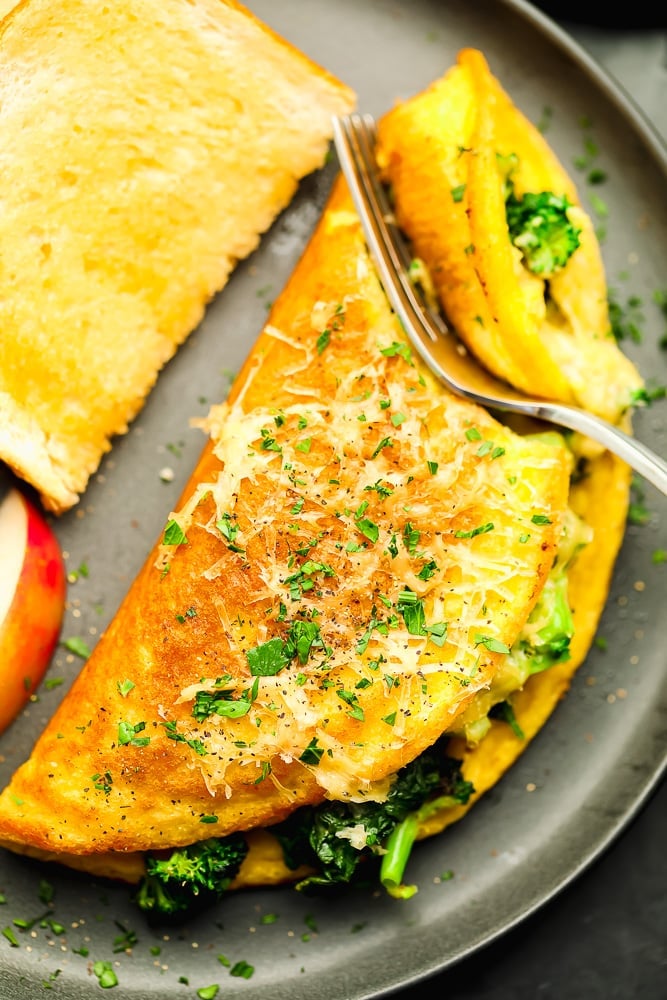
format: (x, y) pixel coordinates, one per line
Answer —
(145, 147)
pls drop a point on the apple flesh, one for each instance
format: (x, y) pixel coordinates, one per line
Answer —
(33, 586)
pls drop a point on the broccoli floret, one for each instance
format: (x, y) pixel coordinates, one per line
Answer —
(334, 837)
(190, 878)
(545, 639)
(453, 791)
(504, 711)
(541, 229)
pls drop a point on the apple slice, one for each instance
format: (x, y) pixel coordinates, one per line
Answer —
(33, 585)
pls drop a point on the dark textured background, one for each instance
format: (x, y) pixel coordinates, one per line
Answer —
(603, 938)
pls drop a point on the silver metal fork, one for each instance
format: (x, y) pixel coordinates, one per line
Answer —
(354, 138)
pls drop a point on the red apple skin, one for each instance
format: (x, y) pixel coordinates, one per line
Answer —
(31, 628)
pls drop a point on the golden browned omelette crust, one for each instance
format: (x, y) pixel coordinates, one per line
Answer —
(145, 146)
(352, 555)
(601, 499)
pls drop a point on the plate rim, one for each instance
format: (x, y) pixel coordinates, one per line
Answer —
(631, 113)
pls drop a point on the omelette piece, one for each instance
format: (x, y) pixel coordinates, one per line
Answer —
(514, 258)
(145, 147)
(352, 560)
(600, 500)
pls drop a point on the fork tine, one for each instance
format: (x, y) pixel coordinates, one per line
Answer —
(365, 133)
(354, 138)
(438, 347)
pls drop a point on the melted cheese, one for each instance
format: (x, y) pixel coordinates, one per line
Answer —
(348, 514)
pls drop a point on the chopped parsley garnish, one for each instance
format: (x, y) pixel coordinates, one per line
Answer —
(127, 734)
(190, 613)
(313, 753)
(368, 528)
(380, 489)
(172, 733)
(301, 580)
(105, 974)
(174, 534)
(269, 443)
(411, 538)
(482, 529)
(397, 350)
(222, 701)
(411, 607)
(102, 782)
(323, 340)
(350, 698)
(428, 570)
(229, 529)
(242, 969)
(77, 646)
(599, 206)
(9, 934)
(386, 442)
(493, 645)
(325, 336)
(627, 320)
(272, 656)
(268, 659)
(373, 625)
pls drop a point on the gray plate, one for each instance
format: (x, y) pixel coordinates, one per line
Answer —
(603, 751)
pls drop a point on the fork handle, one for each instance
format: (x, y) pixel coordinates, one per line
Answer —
(638, 456)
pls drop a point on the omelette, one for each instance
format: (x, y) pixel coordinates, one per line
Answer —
(513, 256)
(369, 598)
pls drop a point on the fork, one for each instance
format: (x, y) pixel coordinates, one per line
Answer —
(354, 138)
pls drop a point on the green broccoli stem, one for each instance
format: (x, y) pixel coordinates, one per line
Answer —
(560, 620)
(400, 841)
(398, 848)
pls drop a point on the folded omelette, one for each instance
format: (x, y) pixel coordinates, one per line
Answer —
(512, 254)
(369, 599)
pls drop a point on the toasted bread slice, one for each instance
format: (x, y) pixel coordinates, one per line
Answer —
(146, 145)
(448, 154)
(354, 553)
